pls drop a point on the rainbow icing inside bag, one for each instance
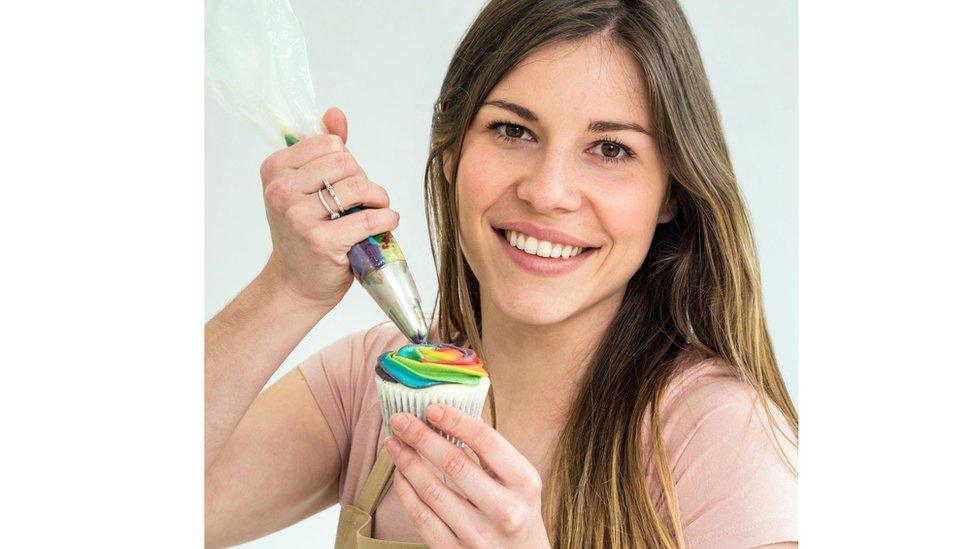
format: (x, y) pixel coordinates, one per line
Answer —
(374, 252)
(427, 364)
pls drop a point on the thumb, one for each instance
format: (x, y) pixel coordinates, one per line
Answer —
(335, 123)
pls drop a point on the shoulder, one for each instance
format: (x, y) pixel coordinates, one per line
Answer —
(732, 460)
(706, 398)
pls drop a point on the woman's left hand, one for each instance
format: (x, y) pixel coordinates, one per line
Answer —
(498, 507)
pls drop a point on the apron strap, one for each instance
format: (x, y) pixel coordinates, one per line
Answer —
(377, 483)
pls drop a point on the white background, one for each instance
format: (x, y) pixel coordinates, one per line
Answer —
(383, 64)
(102, 217)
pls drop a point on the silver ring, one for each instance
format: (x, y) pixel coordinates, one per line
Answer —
(328, 187)
(332, 214)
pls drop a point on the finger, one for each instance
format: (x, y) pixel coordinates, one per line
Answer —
(451, 509)
(352, 191)
(510, 467)
(309, 212)
(335, 123)
(312, 147)
(286, 160)
(345, 232)
(434, 531)
(286, 190)
(474, 482)
(359, 191)
(333, 166)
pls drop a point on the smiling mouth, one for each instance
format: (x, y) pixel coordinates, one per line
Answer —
(540, 248)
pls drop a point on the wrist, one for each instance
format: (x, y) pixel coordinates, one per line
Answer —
(272, 284)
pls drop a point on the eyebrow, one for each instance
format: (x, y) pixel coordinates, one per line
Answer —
(595, 126)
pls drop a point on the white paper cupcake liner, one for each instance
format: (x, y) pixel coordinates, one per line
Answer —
(395, 397)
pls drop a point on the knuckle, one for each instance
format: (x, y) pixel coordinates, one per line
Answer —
(477, 539)
(294, 219)
(269, 167)
(432, 494)
(512, 519)
(400, 486)
(369, 220)
(452, 420)
(456, 464)
(359, 186)
(420, 516)
(417, 434)
(335, 143)
(274, 195)
(408, 460)
(531, 481)
(483, 438)
(349, 164)
(317, 244)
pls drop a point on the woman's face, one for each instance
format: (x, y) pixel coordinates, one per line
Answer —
(560, 152)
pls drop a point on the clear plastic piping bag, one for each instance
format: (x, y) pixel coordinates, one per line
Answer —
(257, 67)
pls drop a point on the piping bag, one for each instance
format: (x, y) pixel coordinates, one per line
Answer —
(257, 67)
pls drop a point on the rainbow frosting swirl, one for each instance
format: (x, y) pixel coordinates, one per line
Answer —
(426, 364)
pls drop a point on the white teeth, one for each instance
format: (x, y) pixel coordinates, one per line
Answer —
(541, 248)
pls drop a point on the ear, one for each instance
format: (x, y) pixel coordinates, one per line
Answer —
(669, 207)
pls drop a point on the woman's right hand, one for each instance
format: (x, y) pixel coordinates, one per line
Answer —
(309, 250)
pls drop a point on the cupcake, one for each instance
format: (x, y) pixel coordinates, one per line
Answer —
(417, 376)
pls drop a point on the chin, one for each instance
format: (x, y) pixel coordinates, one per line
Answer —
(533, 306)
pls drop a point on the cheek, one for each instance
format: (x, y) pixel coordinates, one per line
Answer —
(630, 218)
(480, 183)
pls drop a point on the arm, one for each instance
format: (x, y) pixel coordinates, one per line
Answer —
(306, 276)
(244, 344)
(272, 460)
(279, 466)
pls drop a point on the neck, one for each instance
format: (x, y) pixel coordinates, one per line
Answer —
(535, 369)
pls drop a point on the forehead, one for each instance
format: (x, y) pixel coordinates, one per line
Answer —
(594, 78)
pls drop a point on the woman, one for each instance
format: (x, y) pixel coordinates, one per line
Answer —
(636, 399)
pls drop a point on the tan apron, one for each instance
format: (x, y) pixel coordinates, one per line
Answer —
(356, 521)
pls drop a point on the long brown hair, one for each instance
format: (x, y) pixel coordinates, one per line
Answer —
(698, 288)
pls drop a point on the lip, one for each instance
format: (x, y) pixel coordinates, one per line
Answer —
(545, 266)
(543, 233)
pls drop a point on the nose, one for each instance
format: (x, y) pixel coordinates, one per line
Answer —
(551, 183)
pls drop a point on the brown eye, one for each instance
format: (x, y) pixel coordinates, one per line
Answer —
(514, 131)
(610, 150)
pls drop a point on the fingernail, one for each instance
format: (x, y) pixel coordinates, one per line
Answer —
(435, 412)
(398, 422)
(393, 445)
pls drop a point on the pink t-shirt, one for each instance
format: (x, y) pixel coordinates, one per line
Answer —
(733, 487)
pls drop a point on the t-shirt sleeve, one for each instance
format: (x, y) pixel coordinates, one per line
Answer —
(336, 377)
(735, 485)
